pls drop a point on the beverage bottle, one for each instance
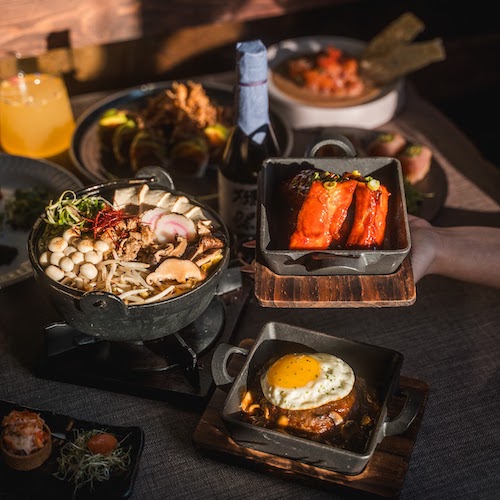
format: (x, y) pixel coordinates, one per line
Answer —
(250, 142)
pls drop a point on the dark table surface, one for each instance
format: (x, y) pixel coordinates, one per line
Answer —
(449, 338)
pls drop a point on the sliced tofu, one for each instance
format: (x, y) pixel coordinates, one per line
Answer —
(195, 213)
(142, 193)
(139, 199)
(166, 201)
(181, 205)
(152, 199)
(131, 198)
(125, 197)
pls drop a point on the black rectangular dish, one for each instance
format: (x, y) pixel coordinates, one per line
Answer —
(277, 217)
(377, 366)
(41, 482)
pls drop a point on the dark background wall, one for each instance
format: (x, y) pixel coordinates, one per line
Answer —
(112, 45)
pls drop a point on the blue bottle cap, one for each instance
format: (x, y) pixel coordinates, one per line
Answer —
(251, 62)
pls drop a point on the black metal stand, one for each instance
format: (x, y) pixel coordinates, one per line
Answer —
(174, 368)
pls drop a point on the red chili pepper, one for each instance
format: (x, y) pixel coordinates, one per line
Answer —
(108, 218)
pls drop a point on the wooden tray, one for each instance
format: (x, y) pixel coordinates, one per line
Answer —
(383, 476)
(383, 290)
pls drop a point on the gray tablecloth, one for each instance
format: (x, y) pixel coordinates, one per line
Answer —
(449, 338)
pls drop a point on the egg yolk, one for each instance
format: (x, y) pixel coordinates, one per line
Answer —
(293, 370)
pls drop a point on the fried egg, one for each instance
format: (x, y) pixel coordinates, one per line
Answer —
(301, 381)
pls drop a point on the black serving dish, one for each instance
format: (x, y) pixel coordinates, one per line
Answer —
(378, 366)
(42, 483)
(276, 220)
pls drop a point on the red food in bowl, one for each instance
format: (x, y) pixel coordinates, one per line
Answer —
(26, 441)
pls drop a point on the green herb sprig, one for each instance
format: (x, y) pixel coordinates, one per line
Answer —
(71, 211)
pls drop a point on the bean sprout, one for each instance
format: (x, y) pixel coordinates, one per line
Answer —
(80, 467)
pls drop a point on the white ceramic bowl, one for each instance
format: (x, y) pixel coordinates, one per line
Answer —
(371, 113)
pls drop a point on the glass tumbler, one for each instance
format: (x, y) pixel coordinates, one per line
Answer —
(36, 118)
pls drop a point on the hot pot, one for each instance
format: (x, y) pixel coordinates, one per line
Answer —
(378, 366)
(104, 315)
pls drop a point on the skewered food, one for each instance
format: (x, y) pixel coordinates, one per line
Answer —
(25, 441)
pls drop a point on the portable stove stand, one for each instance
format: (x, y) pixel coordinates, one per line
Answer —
(174, 368)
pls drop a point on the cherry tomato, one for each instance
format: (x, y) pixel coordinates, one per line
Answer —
(102, 443)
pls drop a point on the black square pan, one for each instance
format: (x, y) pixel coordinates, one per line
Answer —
(380, 367)
(274, 219)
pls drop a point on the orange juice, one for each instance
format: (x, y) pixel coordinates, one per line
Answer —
(36, 118)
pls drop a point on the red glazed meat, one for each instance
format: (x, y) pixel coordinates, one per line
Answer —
(322, 215)
(370, 217)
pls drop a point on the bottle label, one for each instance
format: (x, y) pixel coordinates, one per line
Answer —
(238, 206)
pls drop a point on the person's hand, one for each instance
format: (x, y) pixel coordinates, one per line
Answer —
(466, 253)
(424, 242)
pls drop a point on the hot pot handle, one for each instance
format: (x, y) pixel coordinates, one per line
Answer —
(412, 406)
(158, 175)
(313, 261)
(220, 360)
(104, 304)
(333, 139)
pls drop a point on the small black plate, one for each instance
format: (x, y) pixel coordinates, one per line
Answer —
(433, 187)
(41, 482)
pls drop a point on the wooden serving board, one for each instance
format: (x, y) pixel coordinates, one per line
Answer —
(383, 476)
(374, 290)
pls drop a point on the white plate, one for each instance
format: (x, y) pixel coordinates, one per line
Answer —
(370, 114)
(19, 172)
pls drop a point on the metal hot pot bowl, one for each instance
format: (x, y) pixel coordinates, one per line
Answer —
(106, 316)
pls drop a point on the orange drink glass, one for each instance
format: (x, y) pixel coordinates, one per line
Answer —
(36, 118)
